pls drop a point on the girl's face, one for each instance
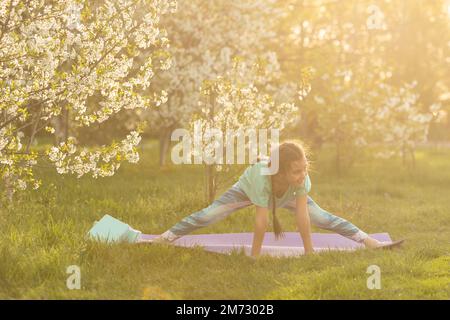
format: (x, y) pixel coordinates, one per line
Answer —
(297, 174)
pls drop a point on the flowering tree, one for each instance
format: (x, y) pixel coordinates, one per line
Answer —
(336, 47)
(75, 56)
(237, 102)
(401, 120)
(205, 36)
(341, 114)
(362, 57)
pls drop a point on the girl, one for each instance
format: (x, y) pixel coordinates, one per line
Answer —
(288, 188)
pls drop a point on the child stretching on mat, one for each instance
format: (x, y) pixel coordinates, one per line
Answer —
(288, 188)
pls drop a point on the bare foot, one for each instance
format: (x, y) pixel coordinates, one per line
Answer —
(373, 243)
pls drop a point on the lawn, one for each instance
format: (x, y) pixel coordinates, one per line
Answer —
(42, 234)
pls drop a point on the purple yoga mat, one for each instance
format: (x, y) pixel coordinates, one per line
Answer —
(290, 245)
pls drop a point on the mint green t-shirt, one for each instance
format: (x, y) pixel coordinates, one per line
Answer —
(258, 187)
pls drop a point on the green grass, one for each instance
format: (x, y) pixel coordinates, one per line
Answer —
(43, 233)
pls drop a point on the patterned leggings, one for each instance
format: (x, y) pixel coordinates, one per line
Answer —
(235, 198)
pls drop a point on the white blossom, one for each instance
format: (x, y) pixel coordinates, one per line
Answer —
(58, 56)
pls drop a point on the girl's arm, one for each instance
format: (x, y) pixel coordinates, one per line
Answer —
(303, 223)
(260, 229)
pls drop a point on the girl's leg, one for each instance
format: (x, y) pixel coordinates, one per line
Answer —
(233, 199)
(325, 220)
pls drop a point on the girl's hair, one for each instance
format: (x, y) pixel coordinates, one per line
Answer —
(288, 152)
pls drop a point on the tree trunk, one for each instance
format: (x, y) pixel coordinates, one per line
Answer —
(9, 192)
(352, 155)
(61, 125)
(211, 185)
(338, 158)
(413, 157)
(66, 124)
(164, 143)
(404, 154)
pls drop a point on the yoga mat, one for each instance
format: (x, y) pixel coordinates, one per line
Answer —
(290, 245)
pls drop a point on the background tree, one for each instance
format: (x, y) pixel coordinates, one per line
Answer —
(238, 103)
(205, 36)
(77, 59)
(358, 49)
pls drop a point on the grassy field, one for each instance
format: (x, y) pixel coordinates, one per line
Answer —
(43, 233)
